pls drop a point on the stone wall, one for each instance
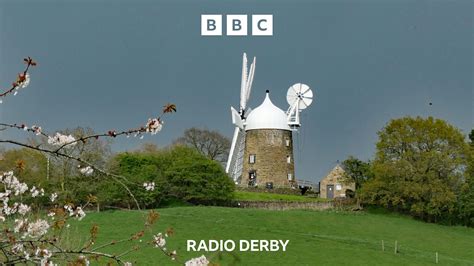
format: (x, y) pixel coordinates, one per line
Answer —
(283, 205)
(271, 151)
(335, 178)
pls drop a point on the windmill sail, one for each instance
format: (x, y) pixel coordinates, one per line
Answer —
(299, 97)
(236, 154)
(243, 94)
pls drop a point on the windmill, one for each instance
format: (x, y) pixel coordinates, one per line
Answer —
(264, 136)
(234, 162)
(299, 96)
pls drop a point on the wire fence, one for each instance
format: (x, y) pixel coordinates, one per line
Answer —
(383, 245)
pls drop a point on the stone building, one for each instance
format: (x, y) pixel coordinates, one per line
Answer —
(335, 185)
(268, 155)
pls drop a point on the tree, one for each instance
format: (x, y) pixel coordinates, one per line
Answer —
(466, 199)
(419, 168)
(179, 173)
(30, 165)
(32, 238)
(194, 178)
(92, 150)
(356, 171)
(211, 144)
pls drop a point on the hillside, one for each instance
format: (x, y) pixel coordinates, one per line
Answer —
(316, 237)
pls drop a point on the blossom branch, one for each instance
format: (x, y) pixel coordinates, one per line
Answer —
(23, 78)
(34, 129)
(58, 153)
(153, 126)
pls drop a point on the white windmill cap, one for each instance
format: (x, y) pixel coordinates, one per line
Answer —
(267, 116)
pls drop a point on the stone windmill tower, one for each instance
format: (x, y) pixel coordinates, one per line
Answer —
(262, 147)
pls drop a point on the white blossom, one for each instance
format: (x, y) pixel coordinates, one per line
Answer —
(53, 197)
(159, 240)
(24, 83)
(17, 248)
(23, 209)
(44, 255)
(200, 261)
(149, 186)
(154, 126)
(60, 140)
(87, 171)
(38, 228)
(11, 182)
(78, 212)
(36, 192)
(20, 225)
(84, 260)
(36, 129)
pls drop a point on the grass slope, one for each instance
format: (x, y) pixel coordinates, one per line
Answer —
(316, 237)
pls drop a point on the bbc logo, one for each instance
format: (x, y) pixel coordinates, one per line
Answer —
(236, 25)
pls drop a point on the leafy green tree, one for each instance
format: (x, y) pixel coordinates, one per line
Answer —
(194, 178)
(356, 171)
(466, 199)
(179, 173)
(29, 165)
(419, 168)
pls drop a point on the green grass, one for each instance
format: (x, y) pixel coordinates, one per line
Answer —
(261, 196)
(316, 237)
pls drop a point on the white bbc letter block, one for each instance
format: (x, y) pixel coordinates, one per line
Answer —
(236, 25)
(211, 25)
(262, 25)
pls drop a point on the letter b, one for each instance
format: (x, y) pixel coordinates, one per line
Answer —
(236, 25)
(211, 25)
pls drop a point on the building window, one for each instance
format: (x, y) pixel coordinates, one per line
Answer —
(338, 187)
(290, 177)
(252, 158)
(252, 182)
(288, 159)
(287, 142)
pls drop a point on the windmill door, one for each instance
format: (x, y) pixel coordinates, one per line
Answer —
(330, 191)
(252, 178)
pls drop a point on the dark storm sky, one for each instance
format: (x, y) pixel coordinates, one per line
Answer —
(112, 65)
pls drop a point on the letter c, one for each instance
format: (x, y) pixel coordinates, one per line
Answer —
(258, 24)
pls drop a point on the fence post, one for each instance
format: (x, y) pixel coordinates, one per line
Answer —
(396, 243)
(383, 246)
(436, 257)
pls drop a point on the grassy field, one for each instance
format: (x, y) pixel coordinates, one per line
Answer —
(260, 196)
(316, 237)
